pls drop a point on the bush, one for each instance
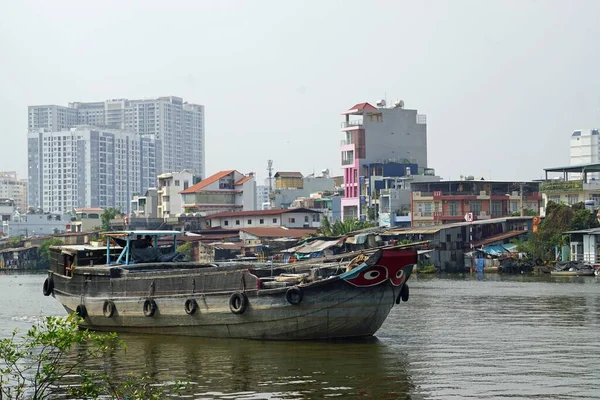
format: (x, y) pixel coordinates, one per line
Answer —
(39, 364)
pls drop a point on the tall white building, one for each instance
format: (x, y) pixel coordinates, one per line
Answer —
(11, 187)
(585, 145)
(88, 167)
(177, 125)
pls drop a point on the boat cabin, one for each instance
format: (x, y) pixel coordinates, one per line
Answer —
(122, 248)
(142, 246)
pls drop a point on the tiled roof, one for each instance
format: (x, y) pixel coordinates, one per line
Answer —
(274, 211)
(288, 175)
(363, 106)
(278, 232)
(243, 180)
(204, 183)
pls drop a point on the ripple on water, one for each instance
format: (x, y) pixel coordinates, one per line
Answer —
(499, 337)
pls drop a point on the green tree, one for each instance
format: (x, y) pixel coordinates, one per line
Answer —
(108, 215)
(340, 228)
(560, 218)
(16, 241)
(44, 250)
(43, 363)
(187, 250)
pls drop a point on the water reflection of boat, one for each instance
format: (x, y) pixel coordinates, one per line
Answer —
(140, 289)
(358, 368)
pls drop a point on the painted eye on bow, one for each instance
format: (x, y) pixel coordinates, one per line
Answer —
(371, 277)
(397, 277)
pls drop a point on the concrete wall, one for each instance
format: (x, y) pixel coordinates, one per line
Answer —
(397, 137)
(285, 197)
(37, 225)
(289, 220)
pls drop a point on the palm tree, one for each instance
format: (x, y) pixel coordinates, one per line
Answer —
(340, 228)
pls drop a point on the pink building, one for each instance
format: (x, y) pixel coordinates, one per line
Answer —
(375, 136)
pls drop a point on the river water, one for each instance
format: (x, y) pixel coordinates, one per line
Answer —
(516, 337)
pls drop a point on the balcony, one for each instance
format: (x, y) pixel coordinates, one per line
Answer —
(351, 124)
(346, 142)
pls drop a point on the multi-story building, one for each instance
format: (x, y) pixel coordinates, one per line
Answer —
(288, 180)
(11, 187)
(328, 204)
(170, 185)
(283, 198)
(288, 217)
(377, 135)
(392, 196)
(437, 203)
(177, 126)
(228, 190)
(585, 149)
(262, 197)
(86, 167)
(146, 205)
(575, 184)
(28, 225)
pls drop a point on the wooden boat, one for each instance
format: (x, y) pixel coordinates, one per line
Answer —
(146, 290)
(579, 272)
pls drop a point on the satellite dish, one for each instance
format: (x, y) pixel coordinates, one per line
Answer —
(399, 104)
(381, 103)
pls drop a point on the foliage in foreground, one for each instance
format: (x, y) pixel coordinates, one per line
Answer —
(50, 359)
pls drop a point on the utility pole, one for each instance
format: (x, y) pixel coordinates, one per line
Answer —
(521, 193)
(270, 170)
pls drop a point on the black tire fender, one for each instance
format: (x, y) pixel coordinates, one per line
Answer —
(108, 308)
(150, 307)
(238, 302)
(81, 311)
(294, 295)
(405, 292)
(48, 287)
(191, 306)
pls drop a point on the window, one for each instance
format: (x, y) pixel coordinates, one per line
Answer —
(292, 220)
(186, 184)
(573, 199)
(261, 221)
(176, 182)
(475, 207)
(453, 208)
(555, 199)
(226, 223)
(427, 209)
(496, 208)
(274, 220)
(306, 218)
(249, 222)
(237, 221)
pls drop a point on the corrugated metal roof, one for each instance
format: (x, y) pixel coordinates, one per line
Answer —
(314, 247)
(412, 231)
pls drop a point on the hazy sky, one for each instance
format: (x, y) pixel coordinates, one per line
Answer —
(503, 83)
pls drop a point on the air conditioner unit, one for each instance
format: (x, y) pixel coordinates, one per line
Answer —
(417, 214)
(483, 213)
(483, 193)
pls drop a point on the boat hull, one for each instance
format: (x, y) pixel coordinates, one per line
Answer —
(572, 273)
(354, 303)
(324, 313)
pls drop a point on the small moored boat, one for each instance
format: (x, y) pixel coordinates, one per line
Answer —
(135, 284)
